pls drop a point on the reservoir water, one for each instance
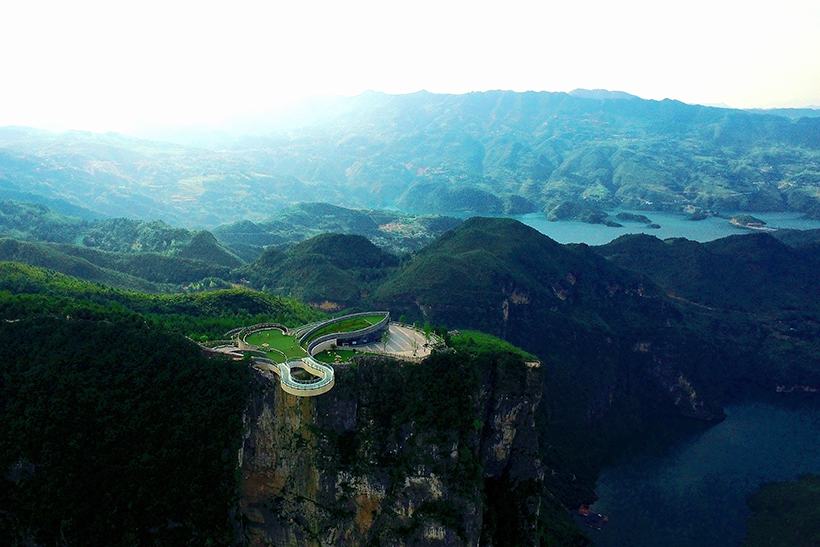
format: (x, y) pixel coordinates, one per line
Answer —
(695, 493)
(671, 225)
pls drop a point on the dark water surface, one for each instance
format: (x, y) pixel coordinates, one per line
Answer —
(695, 493)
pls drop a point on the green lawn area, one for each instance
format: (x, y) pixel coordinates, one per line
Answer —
(348, 325)
(277, 340)
(329, 356)
(471, 340)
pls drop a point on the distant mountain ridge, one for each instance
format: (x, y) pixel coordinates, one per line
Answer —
(601, 94)
(793, 113)
(479, 153)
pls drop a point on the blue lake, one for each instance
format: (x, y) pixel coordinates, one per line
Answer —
(671, 225)
(695, 493)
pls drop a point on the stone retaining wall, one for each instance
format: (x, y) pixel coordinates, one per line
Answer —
(342, 337)
(322, 325)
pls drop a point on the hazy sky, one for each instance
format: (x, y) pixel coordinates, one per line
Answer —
(111, 65)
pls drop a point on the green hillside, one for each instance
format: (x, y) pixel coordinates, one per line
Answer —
(394, 231)
(151, 266)
(156, 257)
(109, 455)
(755, 297)
(330, 271)
(480, 153)
(752, 272)
(36, 222)
(46, 256)
(115, 423)
(611, 343)
(637, 341)
(489, 261)
(28, 291)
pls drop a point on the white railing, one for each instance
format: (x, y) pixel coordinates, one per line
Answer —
(324, 374)
(324, 382)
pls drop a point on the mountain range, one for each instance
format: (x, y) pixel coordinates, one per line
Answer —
(557, 359)
(637, 340)
(480, 153)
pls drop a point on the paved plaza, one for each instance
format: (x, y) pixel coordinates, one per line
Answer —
(401, 343)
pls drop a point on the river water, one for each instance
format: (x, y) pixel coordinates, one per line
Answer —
(694, 494)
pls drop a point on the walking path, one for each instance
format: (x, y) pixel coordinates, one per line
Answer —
(291, 385)
(404, 342)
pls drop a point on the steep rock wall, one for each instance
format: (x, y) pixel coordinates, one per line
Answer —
(439, 453)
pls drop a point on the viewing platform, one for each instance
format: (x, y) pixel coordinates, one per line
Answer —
(291, 353)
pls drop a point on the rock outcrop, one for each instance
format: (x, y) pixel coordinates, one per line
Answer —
(439, 453)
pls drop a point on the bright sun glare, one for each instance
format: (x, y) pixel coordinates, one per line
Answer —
(106, 66)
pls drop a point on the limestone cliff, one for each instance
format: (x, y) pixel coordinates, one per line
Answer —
(439, 453)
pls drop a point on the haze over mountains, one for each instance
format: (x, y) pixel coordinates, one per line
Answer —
(479, 153)
(118, 253)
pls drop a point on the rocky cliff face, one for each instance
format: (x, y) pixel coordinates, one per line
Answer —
(440, 453)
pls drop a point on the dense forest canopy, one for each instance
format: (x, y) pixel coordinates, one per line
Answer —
(110, 404)
(115, 434)
(634, 340)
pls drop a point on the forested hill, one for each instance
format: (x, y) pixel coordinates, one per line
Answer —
(111, 431)
(27, 292)
(491, 152)
(155, 257)
(628, 350)
(117, 429)
(751, 272)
